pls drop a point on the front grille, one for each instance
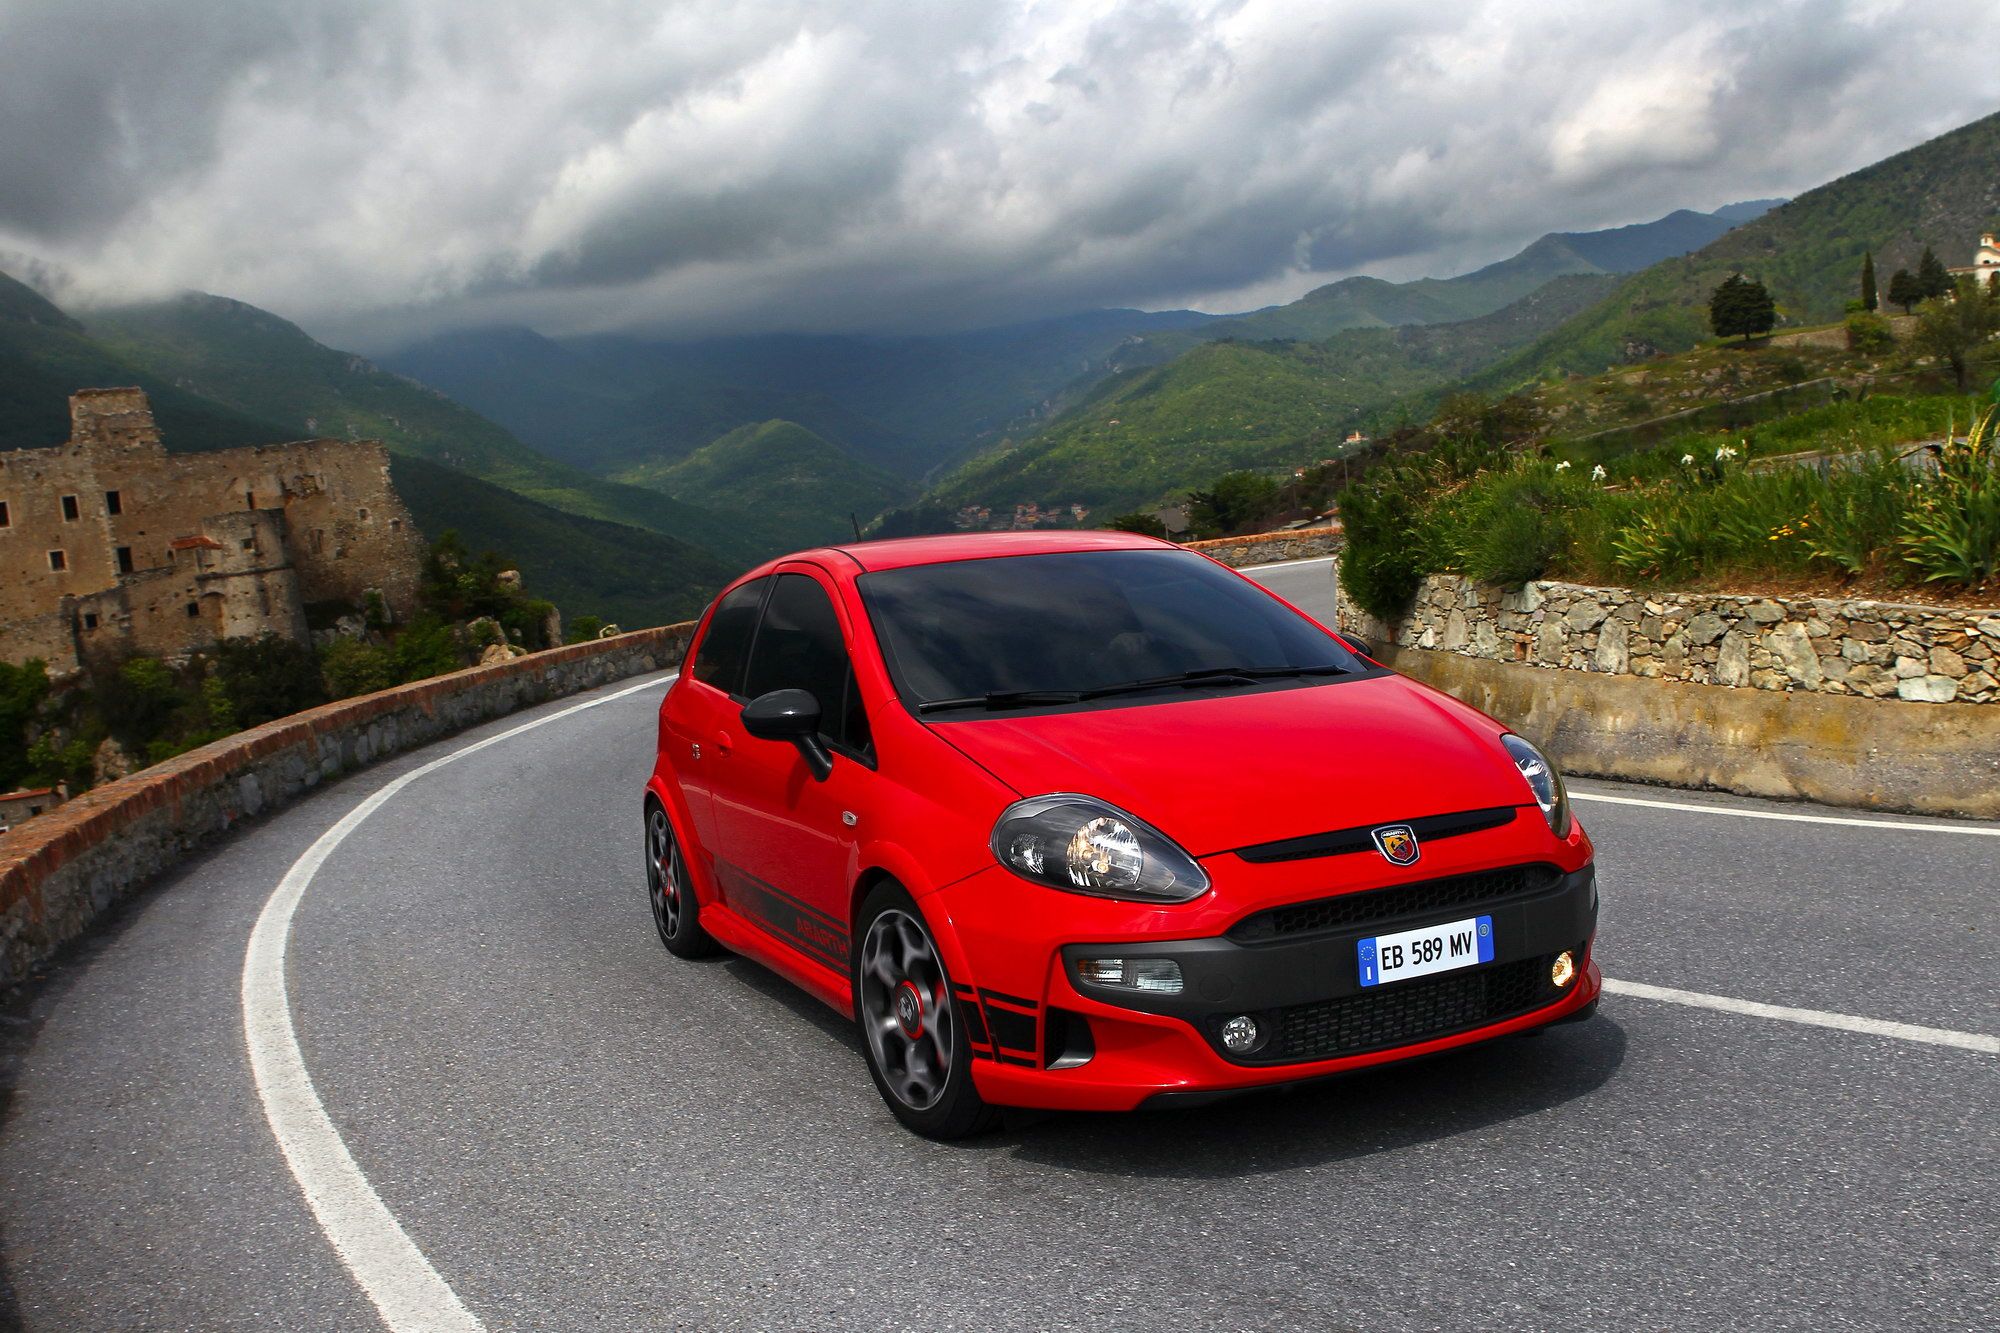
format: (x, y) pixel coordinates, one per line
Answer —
(1407, 1012)
(1482, 889)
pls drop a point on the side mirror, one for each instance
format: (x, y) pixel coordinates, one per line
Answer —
(1362, 646)
(790, 715)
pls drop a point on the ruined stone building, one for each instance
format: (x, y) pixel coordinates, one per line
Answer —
(110, 546)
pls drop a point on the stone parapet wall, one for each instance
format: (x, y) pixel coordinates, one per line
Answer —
(1266, 548)
(61, 870)
(1876, 650)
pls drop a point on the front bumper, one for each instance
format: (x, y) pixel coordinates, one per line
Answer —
(1066, 1044)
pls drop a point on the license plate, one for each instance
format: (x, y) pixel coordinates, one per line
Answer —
(1418, 953)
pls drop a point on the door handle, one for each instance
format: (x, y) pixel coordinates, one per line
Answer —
(721, 743)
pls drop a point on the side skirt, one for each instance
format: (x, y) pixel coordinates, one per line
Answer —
(739, 935)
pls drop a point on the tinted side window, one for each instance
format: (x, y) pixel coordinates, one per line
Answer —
(799, 648)
(726, 646)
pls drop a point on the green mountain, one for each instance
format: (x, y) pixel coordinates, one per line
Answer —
(626, 575)
(268, 369)
(1355, 303)
(1150, 431)
(903, 405)
(585, 565)
(782, 470)
(1808, 252)
(45, 356)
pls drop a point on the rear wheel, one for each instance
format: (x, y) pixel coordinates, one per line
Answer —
(675, 912)
(909, 1022)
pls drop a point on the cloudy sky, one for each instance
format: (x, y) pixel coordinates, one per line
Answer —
(380, 168)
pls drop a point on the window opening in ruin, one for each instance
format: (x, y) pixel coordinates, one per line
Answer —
(58, 560)
(249, 499)
(113, 504)
(70, 510)
(395, 525)
(315, 538)
(194, 609)
(90, 620)
(5, 521)
(249, 543)
(124, 560)
(363, 513)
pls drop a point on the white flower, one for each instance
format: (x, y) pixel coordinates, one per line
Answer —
(1597, 473)
(1723, 453)
(1563, 466)
(1687, 460)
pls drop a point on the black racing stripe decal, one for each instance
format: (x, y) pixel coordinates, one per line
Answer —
(1001, 997)
(1013, 1032)
(808, 929)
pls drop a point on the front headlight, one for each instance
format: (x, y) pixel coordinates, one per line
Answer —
(1082, 845)
(1543, 781)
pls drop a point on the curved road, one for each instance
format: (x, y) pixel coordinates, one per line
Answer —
(580, 1132)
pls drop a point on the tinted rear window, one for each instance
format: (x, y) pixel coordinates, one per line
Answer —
(1079, 621)
(726, 646)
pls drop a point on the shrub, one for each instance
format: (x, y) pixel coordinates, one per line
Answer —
(355, 666)
(138, 700)
(1146, 525)
(1868, 333)
(22, 689)
(583, 629)
(1385, 558)
(1952, 531)
(1520, 523)
(267, 678)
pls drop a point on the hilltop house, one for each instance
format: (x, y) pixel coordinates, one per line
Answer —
(110, 546)
(1985, 265)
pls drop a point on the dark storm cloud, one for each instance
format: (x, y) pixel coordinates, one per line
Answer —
(382, 166)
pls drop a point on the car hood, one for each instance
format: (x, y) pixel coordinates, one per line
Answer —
(1227, 770)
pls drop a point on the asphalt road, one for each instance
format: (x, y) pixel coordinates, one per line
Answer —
(579, 1131)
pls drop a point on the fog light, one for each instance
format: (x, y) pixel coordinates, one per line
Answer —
(1239, 1034)
(1156, 976)
(1563, 970)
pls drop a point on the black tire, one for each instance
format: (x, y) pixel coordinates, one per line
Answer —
(669, 892)
(915, 1046)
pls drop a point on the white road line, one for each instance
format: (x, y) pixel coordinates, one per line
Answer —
(387, 1264)
(1875, 1027)
(1901, 825)
(1288, 564)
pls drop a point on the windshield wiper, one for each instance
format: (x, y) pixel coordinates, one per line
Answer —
(1214, 676)
(997, 699)
(1000, 699)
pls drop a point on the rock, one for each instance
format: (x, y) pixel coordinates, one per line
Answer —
(1732, 664)
(509, 578)
(1908, 668)
(1766, 612)
(1768, 679)
(1457, 634)
(1928, 689)
(1549, 643)
(112, 760)
(1856, 651)
(1584, 615)
(1628, 611)
(1705, 629)
(1818, 628)
(1792, 646)
(1867, 632)
(1978, 683)
(1613, 651)
(499, 652)
(1871, 680)
(1989, 626)
(1674, 654)
(1485, 640)
(1945, 662)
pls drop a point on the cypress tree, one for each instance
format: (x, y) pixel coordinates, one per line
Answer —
(1868, 280)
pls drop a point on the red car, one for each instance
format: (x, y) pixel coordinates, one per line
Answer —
(1085, 821)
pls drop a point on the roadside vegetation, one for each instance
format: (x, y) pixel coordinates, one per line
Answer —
(123, 716)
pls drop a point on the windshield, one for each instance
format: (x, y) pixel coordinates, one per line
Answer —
(1025, 630)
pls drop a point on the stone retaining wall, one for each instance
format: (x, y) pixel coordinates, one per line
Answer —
(1877, 650)
(1267, 548)
(61, 870)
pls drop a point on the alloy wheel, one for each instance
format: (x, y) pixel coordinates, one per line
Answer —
(906, 1009)
(666, 874)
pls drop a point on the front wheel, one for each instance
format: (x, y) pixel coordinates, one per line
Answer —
(676, 914)
(917, 1050)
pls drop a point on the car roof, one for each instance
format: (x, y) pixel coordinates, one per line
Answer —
(902, 552)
